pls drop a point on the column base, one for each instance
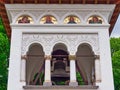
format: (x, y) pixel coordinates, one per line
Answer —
(47, 84)
(73, 84)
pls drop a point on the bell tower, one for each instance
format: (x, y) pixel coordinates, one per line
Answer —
(60, 45)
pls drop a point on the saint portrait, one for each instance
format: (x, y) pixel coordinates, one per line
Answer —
(95, 20)
(48, 20)
(71, 20)
(24, 19)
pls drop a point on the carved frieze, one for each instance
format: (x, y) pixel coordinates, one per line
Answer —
(48, 41)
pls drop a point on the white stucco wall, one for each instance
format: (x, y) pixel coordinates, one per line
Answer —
(83, 31)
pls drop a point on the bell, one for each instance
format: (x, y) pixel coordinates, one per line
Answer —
(59, 70)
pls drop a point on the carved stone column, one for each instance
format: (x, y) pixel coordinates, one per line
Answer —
(23, 68)
(47, 81)
(97, 69)
(73, 81)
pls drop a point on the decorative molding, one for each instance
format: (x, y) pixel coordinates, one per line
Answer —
(72, 57)
(97, 57)
(60, 12)
(48, 57)
(24, 57)
(48, 41)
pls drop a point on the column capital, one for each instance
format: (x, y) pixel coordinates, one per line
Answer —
(24, 57)
(48, 57)
(97, 56)
(72, 57)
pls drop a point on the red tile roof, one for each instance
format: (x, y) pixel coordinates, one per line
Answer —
(4, 16)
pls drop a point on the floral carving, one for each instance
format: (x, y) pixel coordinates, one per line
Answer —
(49, 40)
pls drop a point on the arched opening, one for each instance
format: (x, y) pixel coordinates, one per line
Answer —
(95, 19)
(35, 65)
(60, 73)
(72, 19)
(48, 19)
(25, 19)
(85, 65)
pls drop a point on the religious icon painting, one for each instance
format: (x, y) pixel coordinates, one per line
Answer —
(48, 19)
(71, 20)
(95, 20)
(25, 19)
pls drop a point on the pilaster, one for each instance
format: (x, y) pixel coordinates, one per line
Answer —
(73, 81)
(47, 81)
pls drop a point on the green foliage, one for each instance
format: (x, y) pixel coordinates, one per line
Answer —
(115, 45)
(2, 30)
(79, 79)
(4, 53)
(115, 48)
(60, 83)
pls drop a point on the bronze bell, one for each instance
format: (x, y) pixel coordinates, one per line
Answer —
(59, 69)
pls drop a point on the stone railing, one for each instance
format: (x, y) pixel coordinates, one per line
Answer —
(84, 87)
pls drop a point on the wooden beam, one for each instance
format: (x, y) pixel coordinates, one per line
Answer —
(108, 1)
(23, 2)
(117, 2)
(36, 1)
(60, 1)
(72, 1)
(84, 1)
(11, 1)
(96, 1)
(48, 1)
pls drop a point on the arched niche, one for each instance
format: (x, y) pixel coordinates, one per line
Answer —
(35, 65)
(25, 19)
(48, 19)
(60, 46)
(60, 49)
(60, 65)
(85, 63)
(71, 19)
(95, 19)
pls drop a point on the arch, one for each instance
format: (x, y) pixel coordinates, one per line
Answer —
(95, 14)
(59, 42)
(48, 13)
(26, 47)
(71, 20)
(95, 20)
(24, 19)
(88, 47)
(35, 44)
(34, 64)
(60, 49)
(72, 14)
(59, 64)
(93, 46)
(22, 14)
(61, 46)
(48, 19)
(86, 63)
